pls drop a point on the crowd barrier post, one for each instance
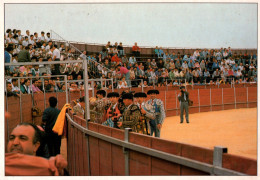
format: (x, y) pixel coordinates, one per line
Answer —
(20, 100)
(126, 151)
(176, 102)
(199, 98)
(66, 90)
(87, 114)
(165, 99)
(222, 99)
(235, 97)
(44, 95)
(210, 100)
(33, 99)
(247, 97)
(93, 90)
(217, 156)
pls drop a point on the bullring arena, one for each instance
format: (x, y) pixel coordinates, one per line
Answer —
(222, 116)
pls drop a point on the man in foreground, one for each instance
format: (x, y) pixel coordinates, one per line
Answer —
(21, 159)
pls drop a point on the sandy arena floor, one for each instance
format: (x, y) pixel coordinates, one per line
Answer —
(235, 129)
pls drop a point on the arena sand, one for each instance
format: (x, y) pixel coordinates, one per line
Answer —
(235, 129)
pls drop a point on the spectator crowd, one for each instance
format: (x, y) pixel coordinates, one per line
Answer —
(203, 66)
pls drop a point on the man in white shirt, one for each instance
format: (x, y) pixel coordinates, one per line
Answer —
(31, 41)
(25, 42)
(48, 47)
(83, 55)
(42, 38)
(48, 38)
(56, 57)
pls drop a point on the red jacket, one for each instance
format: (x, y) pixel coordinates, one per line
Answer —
(135, 48)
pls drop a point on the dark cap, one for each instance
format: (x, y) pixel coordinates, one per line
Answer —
(128, 96)
(153, 91)
(140, 94)
(112, 94)
(102, 92)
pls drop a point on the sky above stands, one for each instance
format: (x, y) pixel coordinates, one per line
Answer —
(181, 25)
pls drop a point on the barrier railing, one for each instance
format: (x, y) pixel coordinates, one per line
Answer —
(127, 147)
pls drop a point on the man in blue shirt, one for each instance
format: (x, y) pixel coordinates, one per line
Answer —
(8, 56)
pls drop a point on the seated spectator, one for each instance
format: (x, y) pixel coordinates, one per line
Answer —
(132, 60)
(132, 73)
(74, 88)
(161, 53)
(154, 64)
(34, 86)
(115, 59)
(48, 87)
(121, 84)
(160, 64)
(25, 87)
(9, 91)
(136, 50)
(15, 88)
(156, 51)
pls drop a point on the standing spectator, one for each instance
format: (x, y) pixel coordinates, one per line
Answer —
(56, 57)
(49, 118)
(8, 57)
(121, 49)
(136, 50)
(24, 55)
(124, 72)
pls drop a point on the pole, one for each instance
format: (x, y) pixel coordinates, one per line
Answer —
(66, 85)
(87, 114)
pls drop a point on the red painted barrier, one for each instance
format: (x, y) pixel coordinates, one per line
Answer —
(108, 159)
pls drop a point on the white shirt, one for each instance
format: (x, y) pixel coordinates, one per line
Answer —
(56, 53)
(25, 43)
(48, 39)
(42, 38)
(31, 41)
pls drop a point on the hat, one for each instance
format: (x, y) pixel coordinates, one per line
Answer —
(128, 96)
(153, 91)
(102, 92)
(140, 94)
(112, 94)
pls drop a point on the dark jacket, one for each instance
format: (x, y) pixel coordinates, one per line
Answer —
(181, 98)
(50, 116)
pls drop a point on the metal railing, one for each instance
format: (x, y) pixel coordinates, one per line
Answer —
(215, 169)
(93, 65)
